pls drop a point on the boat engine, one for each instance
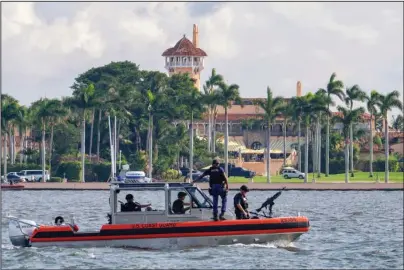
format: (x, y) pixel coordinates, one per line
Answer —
(20, 230)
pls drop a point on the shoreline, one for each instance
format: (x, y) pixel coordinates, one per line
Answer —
(232, 186)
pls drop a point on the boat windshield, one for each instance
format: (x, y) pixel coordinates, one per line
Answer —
(200, 198)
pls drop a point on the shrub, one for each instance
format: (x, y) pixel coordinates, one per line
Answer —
(379, 165)
(171, 174)
(56, 179)
(70, 168)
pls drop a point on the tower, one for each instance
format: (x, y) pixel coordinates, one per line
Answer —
(299, 89)
(186, 57)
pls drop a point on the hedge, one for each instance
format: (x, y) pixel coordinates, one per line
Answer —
(96, 172)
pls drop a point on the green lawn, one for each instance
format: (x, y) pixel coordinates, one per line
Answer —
(395, 177)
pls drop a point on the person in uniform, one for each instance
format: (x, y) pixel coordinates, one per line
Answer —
(218, 186)
(240, 203)
(179, 204)
(130, 205)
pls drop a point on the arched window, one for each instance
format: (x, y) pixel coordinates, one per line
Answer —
(256, 146)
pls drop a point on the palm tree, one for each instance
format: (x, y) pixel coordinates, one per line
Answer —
(322, 101)
(43, 110)
(371, 104)
(298, 104)
(9, 112)
(287, 113)
(347, 117)
(334, 88)
(150, 102)
(227, 95)
(210, 99)
(194, 104)
(83, 101)
(272, 107)
(353, 93)
(58, 111)
(385, 104)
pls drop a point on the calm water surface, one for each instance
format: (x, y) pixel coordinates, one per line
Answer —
(350, 229)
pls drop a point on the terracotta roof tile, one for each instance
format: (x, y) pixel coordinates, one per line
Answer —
(184, 47)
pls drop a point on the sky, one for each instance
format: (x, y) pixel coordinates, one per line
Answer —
(46, 45)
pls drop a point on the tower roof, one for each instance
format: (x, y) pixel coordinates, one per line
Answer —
(184, 47)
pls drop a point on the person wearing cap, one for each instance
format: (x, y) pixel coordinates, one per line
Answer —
(218, 186)
(130, 205)
(178, 205)
(240, 203)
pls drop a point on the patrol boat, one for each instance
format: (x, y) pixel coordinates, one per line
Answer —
(161, 228)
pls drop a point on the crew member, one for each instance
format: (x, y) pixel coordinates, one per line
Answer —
(130, 205)
(60, 221)
(240, 203)
(178, 205)
(218, 186)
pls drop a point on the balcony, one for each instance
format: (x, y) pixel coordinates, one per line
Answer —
(184, 64)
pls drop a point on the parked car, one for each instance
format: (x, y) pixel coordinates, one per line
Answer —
(236, 171)
(289, 173)
(239, 171)
(11, 177)
(34, 175)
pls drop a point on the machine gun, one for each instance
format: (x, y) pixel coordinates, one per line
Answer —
(270, 202)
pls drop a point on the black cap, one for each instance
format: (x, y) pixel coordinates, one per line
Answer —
(129, 197)
(181, 194)
(215, 161)
(245, 188)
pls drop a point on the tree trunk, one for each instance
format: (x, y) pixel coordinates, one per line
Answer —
(319, 147)
(268, 150)
(299, 151)
(150, 145)
(346, 161)
(306, 155)
(214, 132)
(284, 142)
(351, 149)
(99, 135)
(11, 148)
(226, 142)
(314, 146)
(83, 148)
(22, 143)
(43, 153)
(386, 150)
(191, 147)
(371, 148)
(209, 130)
(90, 149)
(5, 150)
(51, 149)
(327, 146)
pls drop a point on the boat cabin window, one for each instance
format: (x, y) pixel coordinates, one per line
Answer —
(201, 200)
(175, 203)
(143, 200)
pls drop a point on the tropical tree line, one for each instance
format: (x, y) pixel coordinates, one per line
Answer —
(153, 117)
(312, 112)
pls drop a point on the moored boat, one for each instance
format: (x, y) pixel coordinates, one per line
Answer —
(161, 228)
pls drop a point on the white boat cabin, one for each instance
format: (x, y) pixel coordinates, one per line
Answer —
(201, 205)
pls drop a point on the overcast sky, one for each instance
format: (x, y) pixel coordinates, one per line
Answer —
(46, 45)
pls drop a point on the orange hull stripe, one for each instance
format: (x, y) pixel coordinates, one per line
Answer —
(171, 235)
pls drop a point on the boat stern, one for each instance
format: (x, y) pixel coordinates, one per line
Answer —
(20, 231)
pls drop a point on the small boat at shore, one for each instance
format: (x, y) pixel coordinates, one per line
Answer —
(161, 228)
(12, 187)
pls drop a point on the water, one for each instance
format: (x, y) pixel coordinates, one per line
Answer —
(350, 229)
